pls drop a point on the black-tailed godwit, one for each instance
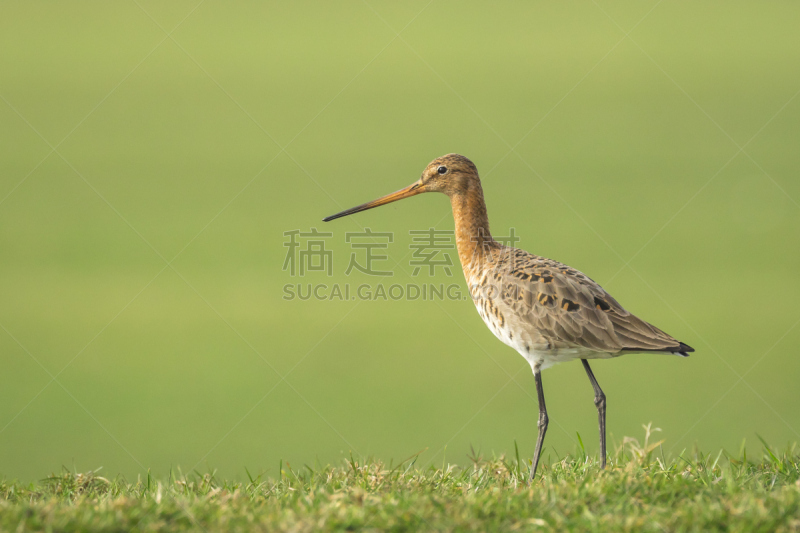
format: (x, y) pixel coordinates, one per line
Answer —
(548, 312)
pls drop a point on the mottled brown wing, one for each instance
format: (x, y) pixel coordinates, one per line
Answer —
(567, 308)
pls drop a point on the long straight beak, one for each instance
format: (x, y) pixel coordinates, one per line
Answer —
(412, 190)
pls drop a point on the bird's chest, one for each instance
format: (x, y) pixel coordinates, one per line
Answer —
(499, 321)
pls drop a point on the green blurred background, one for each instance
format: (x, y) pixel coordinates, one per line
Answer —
(141, 261)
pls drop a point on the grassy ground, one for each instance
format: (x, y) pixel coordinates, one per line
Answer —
(639, 491)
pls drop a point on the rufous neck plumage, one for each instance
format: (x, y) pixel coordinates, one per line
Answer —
(473, 239)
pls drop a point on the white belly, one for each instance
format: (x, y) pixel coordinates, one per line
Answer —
(533, 350)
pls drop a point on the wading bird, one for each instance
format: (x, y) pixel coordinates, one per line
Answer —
(547, 311)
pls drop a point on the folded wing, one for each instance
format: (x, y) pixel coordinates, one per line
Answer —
(566, 307)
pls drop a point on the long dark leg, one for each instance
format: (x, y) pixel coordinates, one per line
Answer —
(600, 403)
(537, 374)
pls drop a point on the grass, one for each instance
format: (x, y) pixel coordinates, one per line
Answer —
(639, 491)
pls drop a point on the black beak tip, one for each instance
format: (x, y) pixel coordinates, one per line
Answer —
(337, 215)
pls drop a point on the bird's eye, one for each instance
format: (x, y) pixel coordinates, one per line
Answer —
(441, 170)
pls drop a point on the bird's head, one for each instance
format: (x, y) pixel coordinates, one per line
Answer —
(451, 174)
